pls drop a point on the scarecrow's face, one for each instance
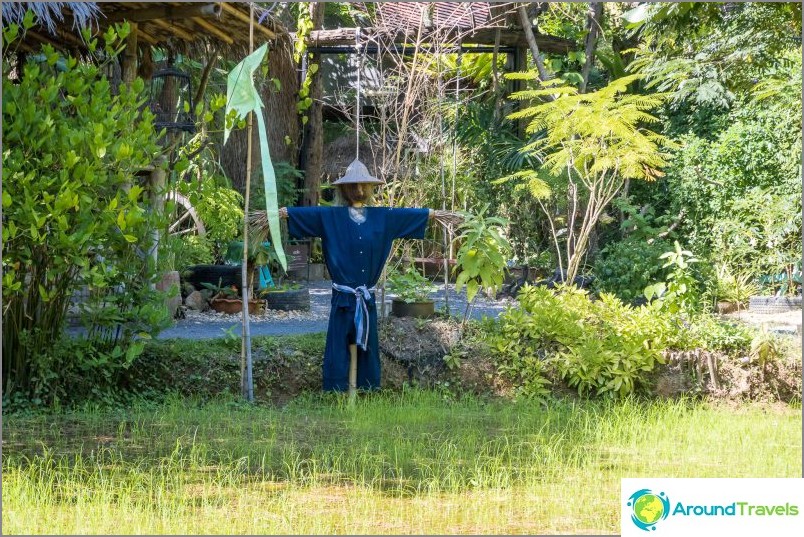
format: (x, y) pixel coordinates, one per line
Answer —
(356, 193)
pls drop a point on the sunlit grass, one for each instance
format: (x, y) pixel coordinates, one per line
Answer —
(408, 462)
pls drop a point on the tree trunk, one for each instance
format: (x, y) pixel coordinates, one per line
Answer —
(312, 156)
(527, 28)
(593, 18)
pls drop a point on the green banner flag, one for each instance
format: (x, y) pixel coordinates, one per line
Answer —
(242, 97)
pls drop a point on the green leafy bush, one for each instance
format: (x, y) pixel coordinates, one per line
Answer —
(680, 293)
(219, 207)
(483, 255)
(410, 286)
(626, 267)
(599, 347)
(74, 215)
(741, 192)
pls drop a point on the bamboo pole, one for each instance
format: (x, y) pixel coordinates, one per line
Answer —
(247, 380)
(352, 374)
(233, 11)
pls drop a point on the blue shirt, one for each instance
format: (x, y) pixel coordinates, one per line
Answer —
(356, 253)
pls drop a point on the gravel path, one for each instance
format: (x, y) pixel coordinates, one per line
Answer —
(211, 324)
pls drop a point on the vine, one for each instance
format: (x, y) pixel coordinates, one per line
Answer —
(304, 25)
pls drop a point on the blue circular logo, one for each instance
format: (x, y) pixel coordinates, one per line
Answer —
(648, 508)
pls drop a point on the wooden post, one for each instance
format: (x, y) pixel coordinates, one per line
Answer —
(130, 56)
(246, 374)
(156, 192)
(313, 153)
(352, 374)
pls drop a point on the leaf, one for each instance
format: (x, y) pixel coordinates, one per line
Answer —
(472, 288)
(637, 16)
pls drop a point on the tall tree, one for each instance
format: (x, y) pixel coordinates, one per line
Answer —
(594, 142)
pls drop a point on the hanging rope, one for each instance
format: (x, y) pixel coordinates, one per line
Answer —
(357, 104)
(455, 129)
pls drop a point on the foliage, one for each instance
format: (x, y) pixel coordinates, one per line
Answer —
(708, 332)
(304, 25)
(679, 294)
(219, 291)
(765, 347)
(741, 192)
(481, 259)
(624, 268)
(737, 288)
(219, 207)
(705, 53)
(599, 347)
(410, 286)
(287, 192)
(187, 250)
(594, 142)
(74, 214)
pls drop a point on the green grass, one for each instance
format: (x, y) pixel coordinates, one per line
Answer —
(411, 462)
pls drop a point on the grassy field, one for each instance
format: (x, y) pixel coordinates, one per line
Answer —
(411, 462)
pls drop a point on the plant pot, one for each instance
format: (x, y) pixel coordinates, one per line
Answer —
(235, 305)
(288, 300)
(420, 310)
(725, 306)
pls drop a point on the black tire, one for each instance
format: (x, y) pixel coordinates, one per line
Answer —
(773, 304)
(293, 300)
(219, 275)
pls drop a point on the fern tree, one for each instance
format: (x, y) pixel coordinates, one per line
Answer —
(593, 143)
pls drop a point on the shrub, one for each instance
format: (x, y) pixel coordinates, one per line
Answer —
(220, 208)
(625, 268)
(599, 347)
(73, 213)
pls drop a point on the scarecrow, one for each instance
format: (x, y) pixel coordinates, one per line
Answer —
(356, 241)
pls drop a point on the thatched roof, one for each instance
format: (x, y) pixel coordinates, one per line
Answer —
(180, 26)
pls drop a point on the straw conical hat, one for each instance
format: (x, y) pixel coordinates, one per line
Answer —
(357, 172)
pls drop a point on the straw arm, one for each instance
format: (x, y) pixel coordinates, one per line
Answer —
(446, 218)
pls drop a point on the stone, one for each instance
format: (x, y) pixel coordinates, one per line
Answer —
(196, 301)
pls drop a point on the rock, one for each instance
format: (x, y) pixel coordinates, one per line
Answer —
(170, 283)
(187, 289)
(196, 301)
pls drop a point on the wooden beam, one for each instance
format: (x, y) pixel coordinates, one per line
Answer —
(175, 30)
(70, 38)
(244, 18)
(45, 39)
(483, 36)
(145, 36)
(212, 29)
(166, 13)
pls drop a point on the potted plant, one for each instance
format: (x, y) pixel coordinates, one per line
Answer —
(286, 296)
(281, 294)
(227, 299)
(733, 291)
(412, 294)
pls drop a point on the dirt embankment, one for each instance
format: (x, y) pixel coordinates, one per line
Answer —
(414, 351)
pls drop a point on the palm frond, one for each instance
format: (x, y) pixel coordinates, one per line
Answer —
(51, 14)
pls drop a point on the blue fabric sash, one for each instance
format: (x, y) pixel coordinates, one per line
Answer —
(362, 293)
